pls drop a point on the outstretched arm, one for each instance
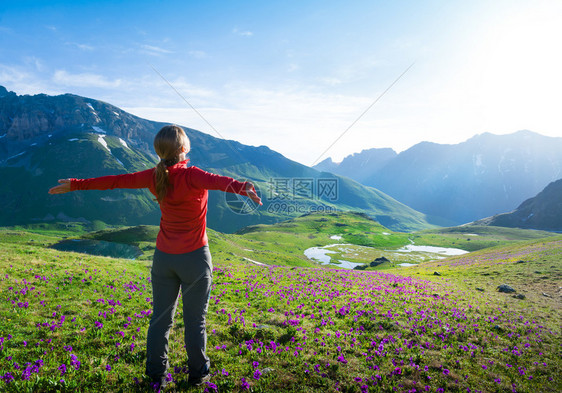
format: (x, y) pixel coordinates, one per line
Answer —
(62, 188)
(142, 179)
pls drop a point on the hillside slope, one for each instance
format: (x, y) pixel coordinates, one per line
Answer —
(544, 211)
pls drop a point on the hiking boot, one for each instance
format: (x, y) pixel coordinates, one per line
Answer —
(199, 381)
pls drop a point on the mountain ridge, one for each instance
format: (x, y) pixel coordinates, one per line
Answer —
(44, 138)
(486, 175)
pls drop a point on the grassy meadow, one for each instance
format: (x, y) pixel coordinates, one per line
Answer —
(77, 322)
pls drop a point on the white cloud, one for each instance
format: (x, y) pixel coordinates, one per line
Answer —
(9, 74)
(34, 62)
(293, 67)
(84, 80)
(198, 54)
(84, 47)
(154, 50)
(330, 81)
(297, 123)
(244, 33)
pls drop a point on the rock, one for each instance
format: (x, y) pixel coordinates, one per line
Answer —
(519, 296)
(520, 261)
(379, 261)
(505, 288)
(436, 273)
(546, 294)
(480, 289)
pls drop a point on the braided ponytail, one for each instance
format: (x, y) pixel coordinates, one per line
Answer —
(168, 145)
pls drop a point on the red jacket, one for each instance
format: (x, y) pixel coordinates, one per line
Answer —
(184, 209)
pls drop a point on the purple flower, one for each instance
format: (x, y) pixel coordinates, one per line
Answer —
(244, 385)
(210, 386)
(257, 374)
(62, 369)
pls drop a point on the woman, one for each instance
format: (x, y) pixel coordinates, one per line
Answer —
(182, 258)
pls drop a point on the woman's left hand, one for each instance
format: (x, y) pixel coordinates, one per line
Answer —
(251, 192)
(62, 188)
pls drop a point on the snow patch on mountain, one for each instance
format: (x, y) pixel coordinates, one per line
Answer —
(124, 144)
(102, 141)
(99, 130)
(94, 112)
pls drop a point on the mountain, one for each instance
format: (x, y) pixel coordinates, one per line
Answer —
(359, 166)
(544, 211)
(483, 176)
(44, 138)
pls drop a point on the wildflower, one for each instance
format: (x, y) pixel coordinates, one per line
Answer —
(210, 386)
(244, 385)
(62, 369)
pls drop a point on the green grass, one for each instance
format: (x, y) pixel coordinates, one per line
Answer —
(475, 237)
(292, 327)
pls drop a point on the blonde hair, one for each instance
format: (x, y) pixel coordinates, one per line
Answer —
(168, 145)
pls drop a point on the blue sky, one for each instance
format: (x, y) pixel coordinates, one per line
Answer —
(294, 75)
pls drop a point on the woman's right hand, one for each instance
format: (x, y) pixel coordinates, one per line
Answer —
(62, 188)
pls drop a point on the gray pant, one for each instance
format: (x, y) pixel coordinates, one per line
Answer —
(192, 272)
